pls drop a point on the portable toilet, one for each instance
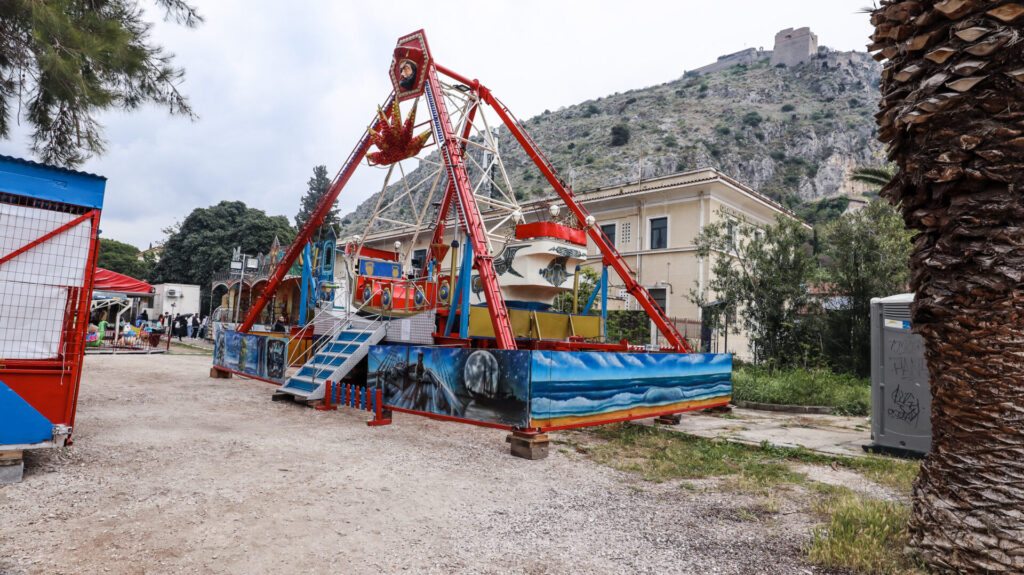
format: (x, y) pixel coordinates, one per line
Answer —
(900, 395)
(50, 221)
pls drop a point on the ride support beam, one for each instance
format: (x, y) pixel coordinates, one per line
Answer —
(449, 192)
(611, 255)
(315, 220)
(451, 151)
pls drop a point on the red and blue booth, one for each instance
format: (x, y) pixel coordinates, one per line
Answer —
(50, 218)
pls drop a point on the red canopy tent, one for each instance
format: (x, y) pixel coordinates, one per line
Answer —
(108, 281)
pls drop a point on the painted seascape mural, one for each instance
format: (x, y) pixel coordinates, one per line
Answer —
(579, 387)
(482, 385)
(261, 356)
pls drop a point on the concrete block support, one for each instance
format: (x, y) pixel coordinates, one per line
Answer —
(12, 467)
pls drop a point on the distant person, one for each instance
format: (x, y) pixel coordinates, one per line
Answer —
(193, 328)
(203, 326)
(281, 324)
(178, 327)
(144, 316)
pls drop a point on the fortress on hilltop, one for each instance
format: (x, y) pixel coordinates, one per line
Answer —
(793, 46)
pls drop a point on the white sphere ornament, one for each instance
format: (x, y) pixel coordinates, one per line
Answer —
(398, 245)
(517, 215)
(553, 209)
(590, 221)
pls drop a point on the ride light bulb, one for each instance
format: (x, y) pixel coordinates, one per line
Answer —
(553, 210)
(590, 221)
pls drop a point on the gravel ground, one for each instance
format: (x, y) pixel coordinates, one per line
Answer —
(174, 472)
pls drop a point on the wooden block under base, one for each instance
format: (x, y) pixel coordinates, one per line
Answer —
(670, 419)
(529, 445)
(282, 396)
(219, 373)
(727, 408)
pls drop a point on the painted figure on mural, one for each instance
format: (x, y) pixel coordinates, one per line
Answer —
(406, 74)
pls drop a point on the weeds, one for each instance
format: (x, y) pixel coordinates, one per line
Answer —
(864, 534)
(845, 394)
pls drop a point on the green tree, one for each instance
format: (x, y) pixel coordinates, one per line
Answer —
(317, 186)
(203, 243)
(589, 280)
(65, 61)
(763, 275)
(121, 258)
(868, 253)
(620, 135)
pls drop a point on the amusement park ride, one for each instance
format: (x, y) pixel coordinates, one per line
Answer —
(410, 339)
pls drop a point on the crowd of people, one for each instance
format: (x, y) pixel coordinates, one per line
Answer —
(188, 325)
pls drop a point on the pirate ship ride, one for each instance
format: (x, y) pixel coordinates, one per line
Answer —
(454, 320)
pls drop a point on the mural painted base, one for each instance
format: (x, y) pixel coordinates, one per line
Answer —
(546, 389)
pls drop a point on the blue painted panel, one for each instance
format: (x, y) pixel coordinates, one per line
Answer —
(20, 422)
(262, 356)
(380, 269)
(26, 178)
(491, 386)
(569, 388)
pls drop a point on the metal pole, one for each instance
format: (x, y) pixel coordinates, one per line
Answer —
(604, 302)
(576, 291)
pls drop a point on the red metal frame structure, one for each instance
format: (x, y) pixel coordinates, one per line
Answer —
(460, 190)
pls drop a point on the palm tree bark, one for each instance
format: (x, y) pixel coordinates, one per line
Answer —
(952, 114)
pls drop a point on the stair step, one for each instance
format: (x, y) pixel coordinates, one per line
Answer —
(299, 385)
(328, 359)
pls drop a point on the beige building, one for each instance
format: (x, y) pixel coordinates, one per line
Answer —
(653, 224)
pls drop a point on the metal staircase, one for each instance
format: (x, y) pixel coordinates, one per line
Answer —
(341, 351)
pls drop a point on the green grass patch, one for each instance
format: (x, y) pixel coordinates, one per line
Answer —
(845, 394)
(659, 455)
(863, 534)
(898, 474)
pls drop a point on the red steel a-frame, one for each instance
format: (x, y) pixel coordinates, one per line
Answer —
(414, 73)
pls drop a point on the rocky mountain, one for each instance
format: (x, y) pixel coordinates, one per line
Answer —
(792, 133)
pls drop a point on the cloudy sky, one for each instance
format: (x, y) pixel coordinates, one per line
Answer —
(283, 86)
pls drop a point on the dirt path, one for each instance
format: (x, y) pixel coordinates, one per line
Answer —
(174, 472)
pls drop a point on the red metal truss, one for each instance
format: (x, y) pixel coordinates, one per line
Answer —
(449, 191)
(483, 261)
(611, 255)
(314, 222)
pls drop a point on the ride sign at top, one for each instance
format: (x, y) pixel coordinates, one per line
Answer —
(409, 65)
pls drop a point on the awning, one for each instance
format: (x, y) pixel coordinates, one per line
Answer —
(113, 282)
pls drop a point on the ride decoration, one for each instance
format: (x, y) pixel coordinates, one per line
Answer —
(394, 139)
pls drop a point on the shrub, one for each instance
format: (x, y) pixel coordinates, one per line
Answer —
(670, 141)
(752, 119)
(589, 160)
(591, 111)
(723, 129)
(788, 107)
(620, 135)
(571, 145)
(777, 155)
(759, 135)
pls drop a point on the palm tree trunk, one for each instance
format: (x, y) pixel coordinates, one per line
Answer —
(952, 114)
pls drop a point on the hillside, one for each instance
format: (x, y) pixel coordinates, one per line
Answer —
(792, 133)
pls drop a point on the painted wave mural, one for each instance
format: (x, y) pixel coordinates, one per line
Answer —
(572, 388)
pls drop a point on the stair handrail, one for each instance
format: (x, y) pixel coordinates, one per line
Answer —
(340, 325)
(301, 332)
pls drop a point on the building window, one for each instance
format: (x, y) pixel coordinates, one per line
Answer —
(609, 232)
(626, 233)
(731, 235)
(419, 257)
(659, 233)
(658, 295)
